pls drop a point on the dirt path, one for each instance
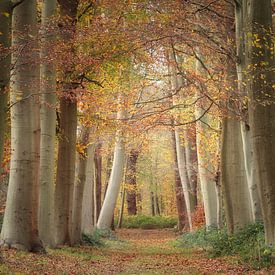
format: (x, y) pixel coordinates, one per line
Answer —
(135, 252)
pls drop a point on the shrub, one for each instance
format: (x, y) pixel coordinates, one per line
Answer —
(248, 244)
(149, 222)
(93, 239)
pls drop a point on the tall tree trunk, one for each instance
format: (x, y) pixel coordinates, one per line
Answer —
(79, 187)
(20, 228)
(181, 208)
(234, 159)
(88, 207)
(68, 125)
(109, 203)
(123, 195)
(5, 62)
(188, 190)
(191, 160)
(206, 171)
(261, 105)
(251, 175)
(98, 178)
(48, 125)
(189, 196)
(235, 189)
(131, 182)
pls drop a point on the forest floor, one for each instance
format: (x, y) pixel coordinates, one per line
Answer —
(135, 251)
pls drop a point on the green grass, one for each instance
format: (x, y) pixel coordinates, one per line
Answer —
(149, 222)
(248, 244)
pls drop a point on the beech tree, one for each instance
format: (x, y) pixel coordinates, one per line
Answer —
(20, 225)
(259, 61)
(5, 62)
(131, 191)
(68, 125)
(48, 123)
(109, 203)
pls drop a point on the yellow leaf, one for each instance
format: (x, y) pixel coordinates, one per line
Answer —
(6, 14)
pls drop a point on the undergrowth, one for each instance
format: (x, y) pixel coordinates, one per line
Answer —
(149, 222)
(98, 236)
(248, 244)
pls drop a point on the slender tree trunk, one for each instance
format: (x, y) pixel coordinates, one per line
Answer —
(88, 208)
(121, 211)
(109, 203)
(251, 175)
(79, 187)
(206, 171)
(181, 208)
(98, 172)
(20, 228)
(5, 62)
(187, 190)
(261, 108)
(152, 204)
(132, 182)
(68, 125)
(48, 125)
(191, 161)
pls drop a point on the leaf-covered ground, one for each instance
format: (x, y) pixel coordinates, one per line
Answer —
(135, 252)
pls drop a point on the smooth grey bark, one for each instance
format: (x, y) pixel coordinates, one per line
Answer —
(258, 16)
(5, 62)
(48, 124)
(191, 161)
(98, 178)
(79, 185)
(206, 173)
(65, 175)
(251, 173)
(131, 181)
(180, 202)
(233, 177)
(234, 180)
(88, 204)
(188, 190)
(20, 228)
(109, 203)
(189, 197)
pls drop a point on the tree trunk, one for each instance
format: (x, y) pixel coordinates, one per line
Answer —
(261, 105)
(20, 228)
(98, 182)
(79, 187)
(235, 189)
(206, 171)
(121, 210)
(187, 190)
(251, 175)
(5, 62)
(48, 125)
(88, 208)
(68, 125)
(132, 182)
(191, 160)
(109, 203)
(181, 208)
(65, 171)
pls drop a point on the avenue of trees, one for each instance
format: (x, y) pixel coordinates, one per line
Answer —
(85, 86)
